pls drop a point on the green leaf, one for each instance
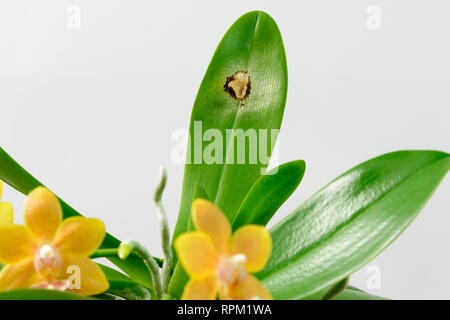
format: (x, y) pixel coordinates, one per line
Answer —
(351, 293)
(125, 290)
(178, 281)
(17, 177)
(336, 289)
(253, 44)
(122, 287)
(40, 294)
(328, 292)
(112, 274)
(351, 220)
(268, 193)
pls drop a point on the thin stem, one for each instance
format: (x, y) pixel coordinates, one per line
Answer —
(113, 252)
(128, 247)
(164, 229)
(104, 253)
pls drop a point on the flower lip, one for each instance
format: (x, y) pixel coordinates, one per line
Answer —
(231, 269)
(52, 285)
(47, 262)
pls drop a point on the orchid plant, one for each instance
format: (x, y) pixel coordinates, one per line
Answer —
(221, 248)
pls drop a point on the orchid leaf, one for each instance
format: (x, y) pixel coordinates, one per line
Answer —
(350, 221)
(112, 274)
(268, 193)
(125, 290)
(336, 289)
(328, 292)
(252, 55)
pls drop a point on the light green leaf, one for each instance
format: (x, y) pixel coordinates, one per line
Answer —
(347, 223)
(253, 44)
(268, 193)
(17, 177)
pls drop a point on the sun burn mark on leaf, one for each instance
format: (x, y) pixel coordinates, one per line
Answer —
(238, 85)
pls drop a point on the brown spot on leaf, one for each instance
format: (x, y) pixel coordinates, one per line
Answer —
(238, 85)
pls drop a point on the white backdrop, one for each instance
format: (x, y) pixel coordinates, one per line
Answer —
(88, 106)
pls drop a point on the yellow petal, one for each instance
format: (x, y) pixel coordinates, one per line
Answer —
(205, 289)
(18, 276)
(79, 236)
(6, 214)
(83, 276)
(250, 289)
(16, 243)
(255, 243)
(43, 214)
(197, 254)
(211, 220)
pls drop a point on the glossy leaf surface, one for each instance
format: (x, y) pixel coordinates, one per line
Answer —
(351, 220)
(268, 193)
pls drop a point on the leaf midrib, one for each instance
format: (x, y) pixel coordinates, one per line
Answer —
(219, 186)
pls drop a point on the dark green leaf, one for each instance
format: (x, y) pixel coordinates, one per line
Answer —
(328, 292)
(347, 223)
(268, 193)
(336, 289)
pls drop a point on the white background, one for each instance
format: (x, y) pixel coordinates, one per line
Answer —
(90, 112)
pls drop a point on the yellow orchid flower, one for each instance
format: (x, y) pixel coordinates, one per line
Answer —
(6, 210)
(218, 262)
(44, 252)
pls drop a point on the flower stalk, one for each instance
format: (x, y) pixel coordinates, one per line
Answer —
(164, 230)
(114, 252)
(127, 247)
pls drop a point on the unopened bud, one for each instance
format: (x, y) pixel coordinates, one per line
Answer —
(124, 250)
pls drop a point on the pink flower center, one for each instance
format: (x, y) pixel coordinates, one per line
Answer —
(231, 273)
(232, 269)
(47, 262)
